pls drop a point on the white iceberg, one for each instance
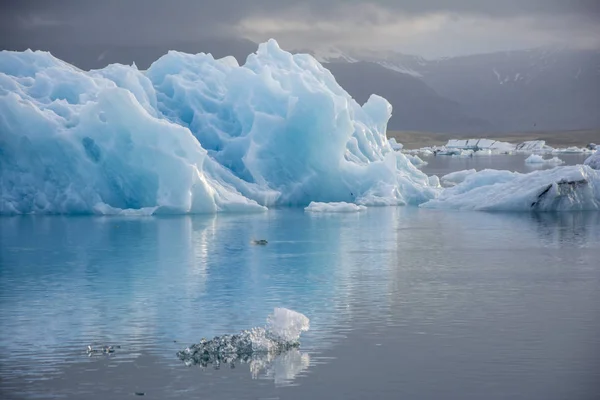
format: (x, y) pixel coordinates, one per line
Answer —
(536, 159)
(569, 188)
(339, 207)
(454, 178)
(478, 145)
(571, 150)
(395, 145)
(464, 154)
(192, 135)
(533, 146)
(593, 161)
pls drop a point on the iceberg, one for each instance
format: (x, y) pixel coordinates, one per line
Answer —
(192, 135)
(339, 207)
(571, 188)
(480, 144)
(593, 161)
(536, 159)
(533, 146)
(572, 150)
(395, 145)
(454, 178)
(259, 346)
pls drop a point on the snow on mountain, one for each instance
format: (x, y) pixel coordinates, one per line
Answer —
(550, 88)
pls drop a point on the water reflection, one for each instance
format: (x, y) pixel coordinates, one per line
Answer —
(578, 229)
(153, 285)
(149, 284)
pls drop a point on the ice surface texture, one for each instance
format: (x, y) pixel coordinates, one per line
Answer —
(559, 189)
(594, 160)
(537, 159)
(281, 334)
(192, 135)
(339, 207)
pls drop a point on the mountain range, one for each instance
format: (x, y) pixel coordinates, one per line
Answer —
(542, 89)
(545, 89)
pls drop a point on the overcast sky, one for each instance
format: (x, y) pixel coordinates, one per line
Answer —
(430, 28)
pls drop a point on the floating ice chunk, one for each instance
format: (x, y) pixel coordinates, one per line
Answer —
(558, 189)
(593, 161)
(281, 334)
(533, 146)
(571, 150)
(464, 154)
(537, 159)
(339, 207)
(449, 152)
(395, 145)
(457, 177)
(478, 145)
(287, 325)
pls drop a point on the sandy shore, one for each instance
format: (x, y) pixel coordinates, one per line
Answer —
(415, 140)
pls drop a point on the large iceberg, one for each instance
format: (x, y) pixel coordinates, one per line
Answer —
(191, 135)
(569, 188)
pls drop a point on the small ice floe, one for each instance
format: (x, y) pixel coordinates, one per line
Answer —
(101, 350)
(536, 159)
(334, 207)
(257, 346)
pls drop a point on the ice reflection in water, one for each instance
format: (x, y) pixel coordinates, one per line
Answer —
(423, 296)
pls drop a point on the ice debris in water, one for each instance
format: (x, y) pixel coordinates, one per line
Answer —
(102, 350)
(192, 135)
(339, 207)
(257, 345)
(536, 159)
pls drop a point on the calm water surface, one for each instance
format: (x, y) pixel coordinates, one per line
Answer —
(403, 303)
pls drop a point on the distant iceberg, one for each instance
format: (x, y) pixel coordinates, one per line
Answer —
(569, 188)
(480, 144)
(533, 146)
(192, 135)
(536, 159)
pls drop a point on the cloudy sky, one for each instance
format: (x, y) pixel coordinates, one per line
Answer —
(431, 28)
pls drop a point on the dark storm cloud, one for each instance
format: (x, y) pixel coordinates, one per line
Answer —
(308, 22)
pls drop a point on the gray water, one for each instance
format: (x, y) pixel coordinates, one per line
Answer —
(403, 303)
